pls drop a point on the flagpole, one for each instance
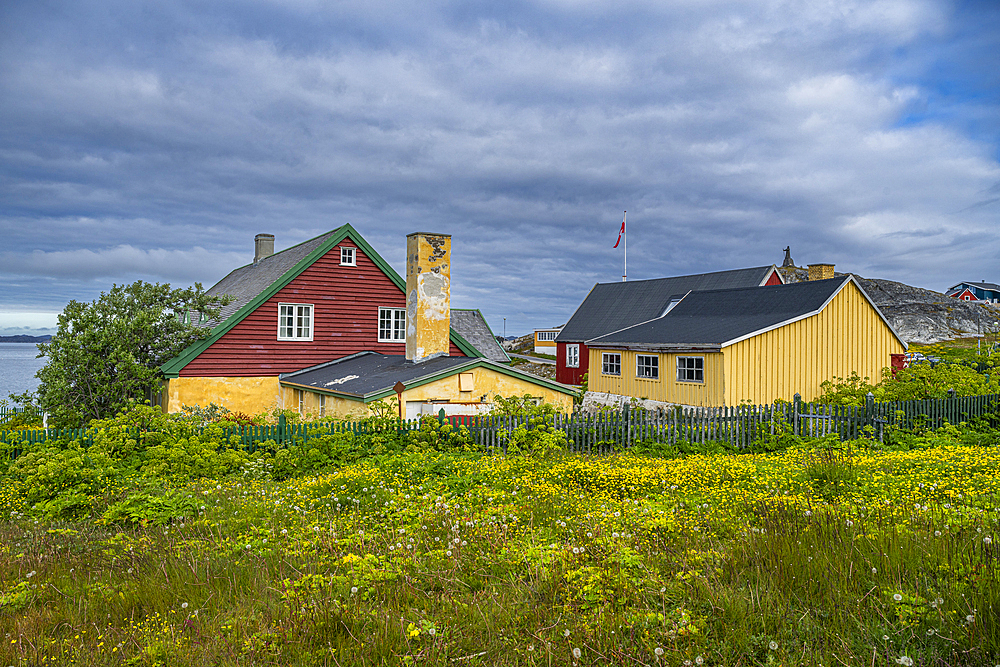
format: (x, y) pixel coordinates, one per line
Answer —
(625, 260)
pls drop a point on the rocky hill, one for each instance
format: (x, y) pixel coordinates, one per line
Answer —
(920, 315)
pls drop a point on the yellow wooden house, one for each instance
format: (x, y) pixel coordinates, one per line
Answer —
(756, 345)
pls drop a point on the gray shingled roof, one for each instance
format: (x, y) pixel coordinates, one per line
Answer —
(715, 317)
(470, 325)
(613, 306)
(248, 281)
(368, 373)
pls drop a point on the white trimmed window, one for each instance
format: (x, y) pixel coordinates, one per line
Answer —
(547, 335)
(572, 355)
(392, 325)
(295, 321)
(322, 405)
(347, 256)
(647, 366)
(611, 363)
(690, 369)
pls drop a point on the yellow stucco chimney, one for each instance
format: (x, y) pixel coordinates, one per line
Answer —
(428, 295)
(820, 271)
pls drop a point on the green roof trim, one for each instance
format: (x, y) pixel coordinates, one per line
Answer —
(477, 363)
(172, 368)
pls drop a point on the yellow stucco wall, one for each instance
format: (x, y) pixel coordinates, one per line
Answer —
(251, 395)
(847, 336)
(486, 382)
(666, 388)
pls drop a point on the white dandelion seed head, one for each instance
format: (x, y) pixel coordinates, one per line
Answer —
(566, 632)
(904, 660)
(773, 645)
(897, 597)
(658, 651)
(576, 653)
(184, 605)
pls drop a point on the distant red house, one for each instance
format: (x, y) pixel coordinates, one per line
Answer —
(610, 307)
(965, 295)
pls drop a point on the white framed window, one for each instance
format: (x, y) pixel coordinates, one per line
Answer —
(547, 335)
(611, 363)
(690, 369)
(647, 366)
(392, 325)
(300, 401)
(347, 256)
(295, 321)
(572, 355)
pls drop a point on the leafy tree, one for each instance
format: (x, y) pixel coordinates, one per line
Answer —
(108, 352)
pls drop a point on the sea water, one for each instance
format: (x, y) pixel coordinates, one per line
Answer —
(18, 366)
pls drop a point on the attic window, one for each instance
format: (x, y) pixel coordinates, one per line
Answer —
(347, 256)
(295, 321)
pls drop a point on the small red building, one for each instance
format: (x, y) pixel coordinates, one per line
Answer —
(610, 307)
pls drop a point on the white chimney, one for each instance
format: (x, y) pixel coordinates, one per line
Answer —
(263, 246)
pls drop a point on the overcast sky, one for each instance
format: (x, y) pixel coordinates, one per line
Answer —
(152, 140)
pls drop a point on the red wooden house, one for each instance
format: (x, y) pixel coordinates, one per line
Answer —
(324, 299)
(610, 307)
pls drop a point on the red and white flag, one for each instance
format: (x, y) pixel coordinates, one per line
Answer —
(622, 231)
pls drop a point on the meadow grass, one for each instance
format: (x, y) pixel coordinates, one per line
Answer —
(811, 556)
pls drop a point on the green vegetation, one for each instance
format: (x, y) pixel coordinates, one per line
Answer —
(921, 380)
(108, 352)
(159, 545)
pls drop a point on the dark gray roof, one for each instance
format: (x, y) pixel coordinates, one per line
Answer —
(369, 373)
(613, 306)
(248, 281)
(472, 326)
(715, 317)
(989, 286)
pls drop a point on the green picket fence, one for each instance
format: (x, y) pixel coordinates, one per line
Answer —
(740, 425)
(604, 432)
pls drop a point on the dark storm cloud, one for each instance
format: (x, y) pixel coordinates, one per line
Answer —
(143, 140)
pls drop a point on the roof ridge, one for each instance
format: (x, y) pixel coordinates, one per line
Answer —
(687, 275)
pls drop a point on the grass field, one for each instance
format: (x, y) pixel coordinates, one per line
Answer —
(816, 556)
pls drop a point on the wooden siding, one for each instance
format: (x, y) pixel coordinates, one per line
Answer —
(345, 302)
(568, 375)
(711, 392)
(847, 336)
(773, 279)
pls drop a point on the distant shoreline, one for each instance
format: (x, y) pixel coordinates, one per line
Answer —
(25, 339)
